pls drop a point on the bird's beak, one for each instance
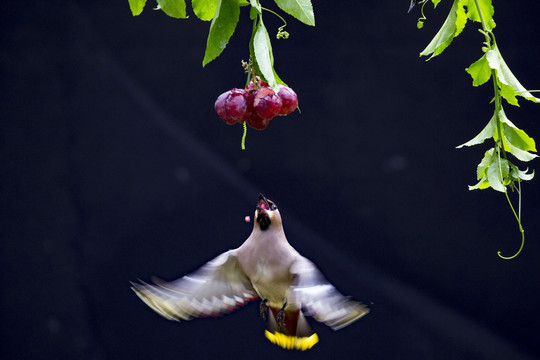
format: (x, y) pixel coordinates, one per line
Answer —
(263, 203)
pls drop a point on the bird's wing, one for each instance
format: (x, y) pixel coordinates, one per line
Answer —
(320, 299)
(218, 287)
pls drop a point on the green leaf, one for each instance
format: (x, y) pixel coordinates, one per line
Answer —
(518, 153)
(505, 76)
(300, 9)
(221, 29)
(479, 71)
(262, 50)
(492, 171)
(517, 174)
(486, 133)
(482, 184)
(487, 12)
(507, 92)
(278, 79)
(497, 172)
(517, 137)
(435, 3)
(204, 9)
(136, 6)
(461, 18)
(481, 169)
(173, 8)
(445, 35)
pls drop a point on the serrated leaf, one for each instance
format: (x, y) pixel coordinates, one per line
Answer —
(498, 170)
(505, 76)
(479, 71)
(487, 12)
(486, 133)
(508, 93)
(204, 9)
(517, 174)
(300, 9)
(221, 29)
(173, 8)
(444, 36)
(482, 184)
(136, 6)
(517, 137)
(481, 169)
(262, 50)
(461, 18)
(518, 153)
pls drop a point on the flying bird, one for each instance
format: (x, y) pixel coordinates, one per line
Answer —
(264, 267)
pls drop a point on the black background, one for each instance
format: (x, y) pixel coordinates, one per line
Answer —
(115, 167)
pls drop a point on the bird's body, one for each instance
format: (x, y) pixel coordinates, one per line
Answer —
(267, 259)
(265, 266)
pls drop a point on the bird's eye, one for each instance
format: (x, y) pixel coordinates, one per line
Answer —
(272, 205)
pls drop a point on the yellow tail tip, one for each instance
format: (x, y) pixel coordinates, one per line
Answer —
(292, 342)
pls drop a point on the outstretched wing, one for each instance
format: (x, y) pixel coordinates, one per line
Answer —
(218, 287)
(320, 299)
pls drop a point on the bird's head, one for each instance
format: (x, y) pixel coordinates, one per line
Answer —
(266, 214)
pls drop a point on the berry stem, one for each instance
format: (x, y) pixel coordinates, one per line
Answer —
(243, 145)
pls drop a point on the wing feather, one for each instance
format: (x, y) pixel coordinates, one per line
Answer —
(322, 300)
(217, 288)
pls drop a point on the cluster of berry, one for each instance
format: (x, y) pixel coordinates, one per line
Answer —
(256, 104)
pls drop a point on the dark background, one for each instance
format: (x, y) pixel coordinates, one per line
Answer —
(115, 167)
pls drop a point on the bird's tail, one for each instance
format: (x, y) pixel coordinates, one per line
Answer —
(294, 331)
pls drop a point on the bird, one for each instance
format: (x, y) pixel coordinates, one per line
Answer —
(415, 2)
(266, 267)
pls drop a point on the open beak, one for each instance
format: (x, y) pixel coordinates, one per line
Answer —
(263, 203)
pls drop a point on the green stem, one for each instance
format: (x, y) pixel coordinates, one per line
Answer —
(244, 136)
(518, 218)
(491, 43)
(275, 13)
(484, 25)
(498, 108)
(281, 33)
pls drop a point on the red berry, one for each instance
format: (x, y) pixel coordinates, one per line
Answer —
(267, 104)
(239, 105)
(256, 122)
(219, 106)
(289, 100)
